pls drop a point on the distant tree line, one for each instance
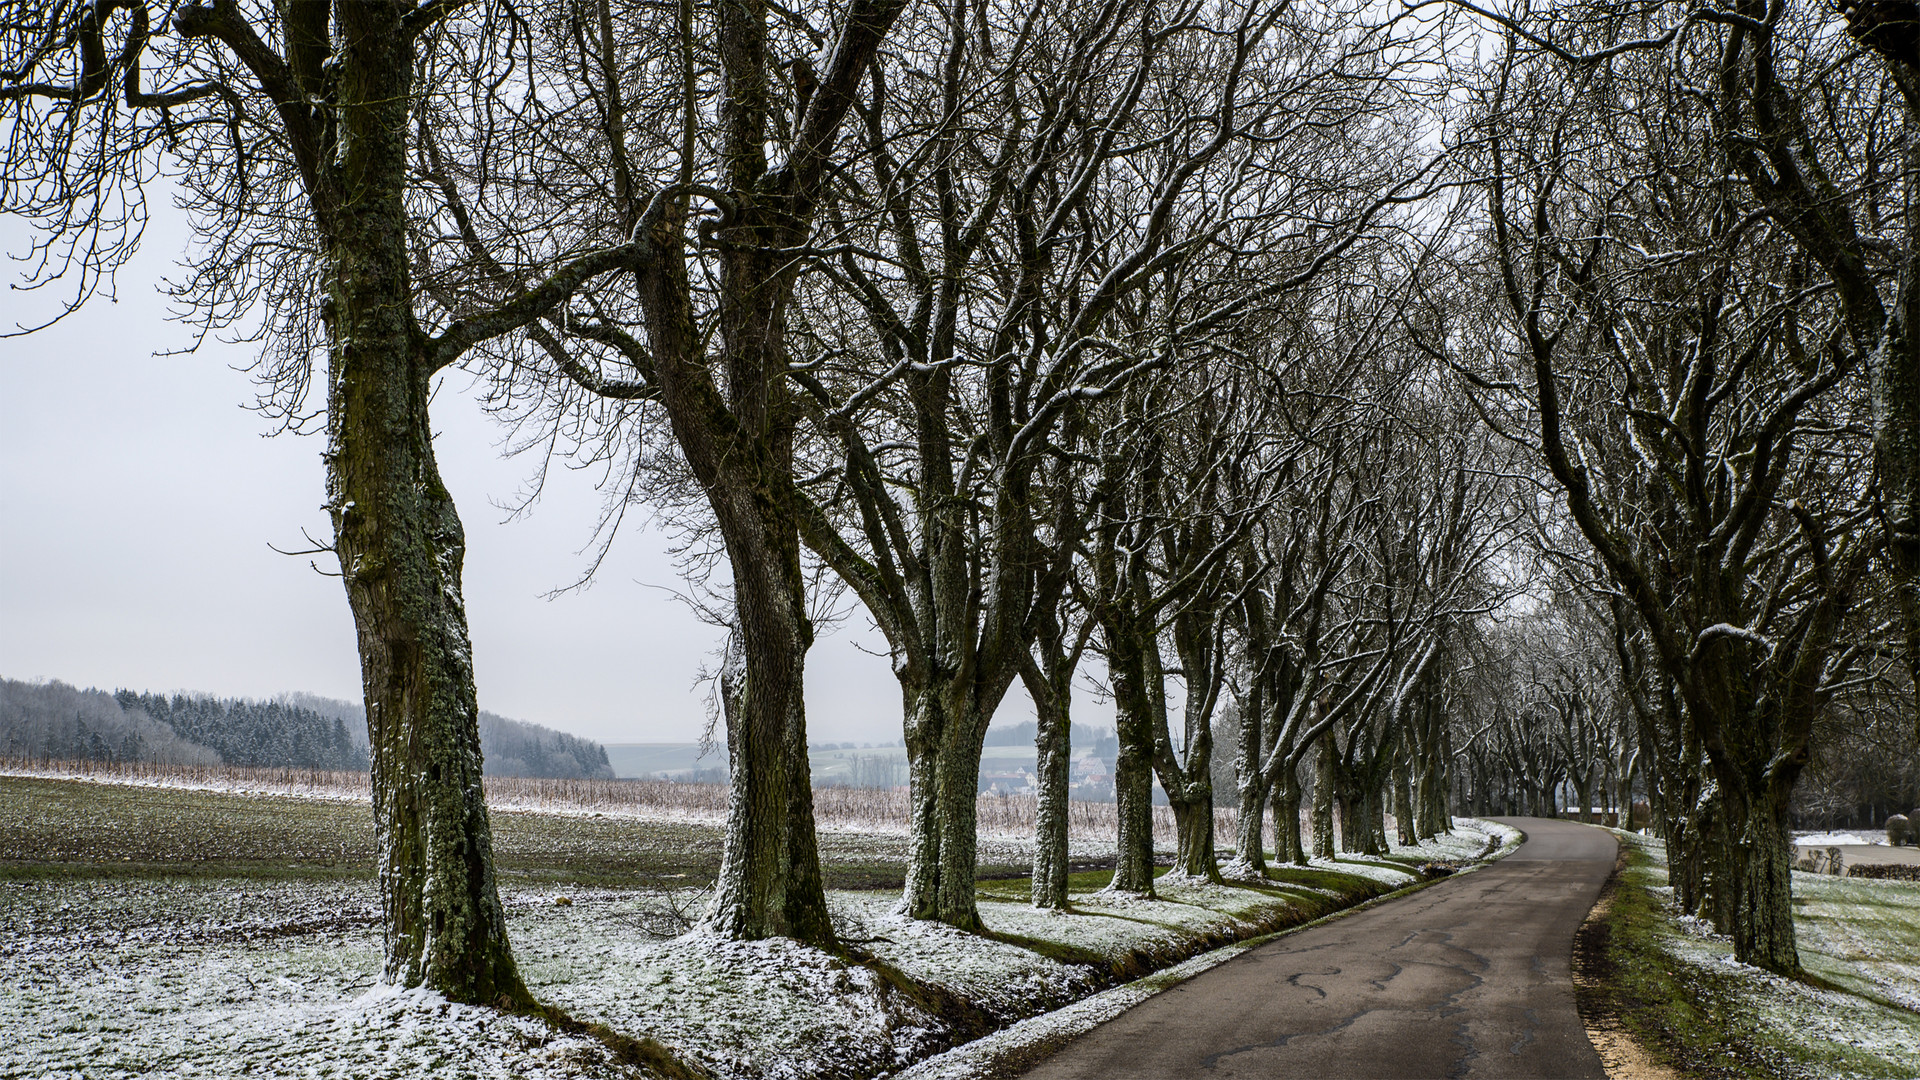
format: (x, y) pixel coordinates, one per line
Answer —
(515, 748)
(302, 731)
(253, 733)
(55, 720)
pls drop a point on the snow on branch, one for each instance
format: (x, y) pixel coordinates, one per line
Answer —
(1720, 630)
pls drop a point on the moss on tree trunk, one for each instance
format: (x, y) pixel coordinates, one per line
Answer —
(401, 546)
(1053, 757)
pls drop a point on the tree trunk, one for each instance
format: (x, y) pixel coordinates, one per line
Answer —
(1287, 843)
(1048, 677)
(769, 883)
(1053, 754)
(1133, 771)
(804, 898)
(769, 880)
(1323, 796)
(1353, 822)
(919, 898)
(1404, 814)
(945, 736)
(401, 548)
(1251, 836)
(1692, 832)
(1762, 924)
(958, 770)
(1250, 782)
(1193, 827)
(1431, 790)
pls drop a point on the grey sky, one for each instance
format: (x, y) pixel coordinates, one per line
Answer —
(138, 499)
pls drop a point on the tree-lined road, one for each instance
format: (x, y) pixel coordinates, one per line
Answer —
(1469, 978)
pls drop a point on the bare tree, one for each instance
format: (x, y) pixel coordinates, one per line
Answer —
(1839, 176)
(289, 127)
(1689, 404)
(991, 265)
(713, 162)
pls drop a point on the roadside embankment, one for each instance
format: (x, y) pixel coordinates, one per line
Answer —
(1675, 987)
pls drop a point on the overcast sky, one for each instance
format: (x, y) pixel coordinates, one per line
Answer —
(138, 498)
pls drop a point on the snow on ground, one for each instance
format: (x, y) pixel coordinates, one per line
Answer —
(1851, 838)
(109, 977)
(1863, 935)
(1860, 936)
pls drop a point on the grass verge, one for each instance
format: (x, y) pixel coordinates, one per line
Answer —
(1678, 991)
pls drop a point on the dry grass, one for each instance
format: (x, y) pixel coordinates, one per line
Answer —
(330, 783)
(870, 809)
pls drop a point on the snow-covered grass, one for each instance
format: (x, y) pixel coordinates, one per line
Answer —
(1857, 1014)
(195, 977)
(1862, 936)
(1848, 838)
(155, 974)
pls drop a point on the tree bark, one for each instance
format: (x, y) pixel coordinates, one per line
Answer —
(401, 547)
(1053, 754)
(1133, 771)
(1323, 798)
(769, 882)
(1757, 873)
(1354, 824)
(1404, 814)
(945, 761)
(1049, 681)
(1288, 845)
(1253, 789)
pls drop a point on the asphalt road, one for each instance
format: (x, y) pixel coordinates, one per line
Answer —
(1468, 978)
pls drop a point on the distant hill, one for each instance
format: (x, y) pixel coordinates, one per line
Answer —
(508, 747)
(55, 720)
(676, 761)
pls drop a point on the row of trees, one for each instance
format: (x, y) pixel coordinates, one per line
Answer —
(1241, 345)
(1700, 229)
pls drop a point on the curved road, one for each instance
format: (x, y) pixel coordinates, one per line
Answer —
(1468, 978)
